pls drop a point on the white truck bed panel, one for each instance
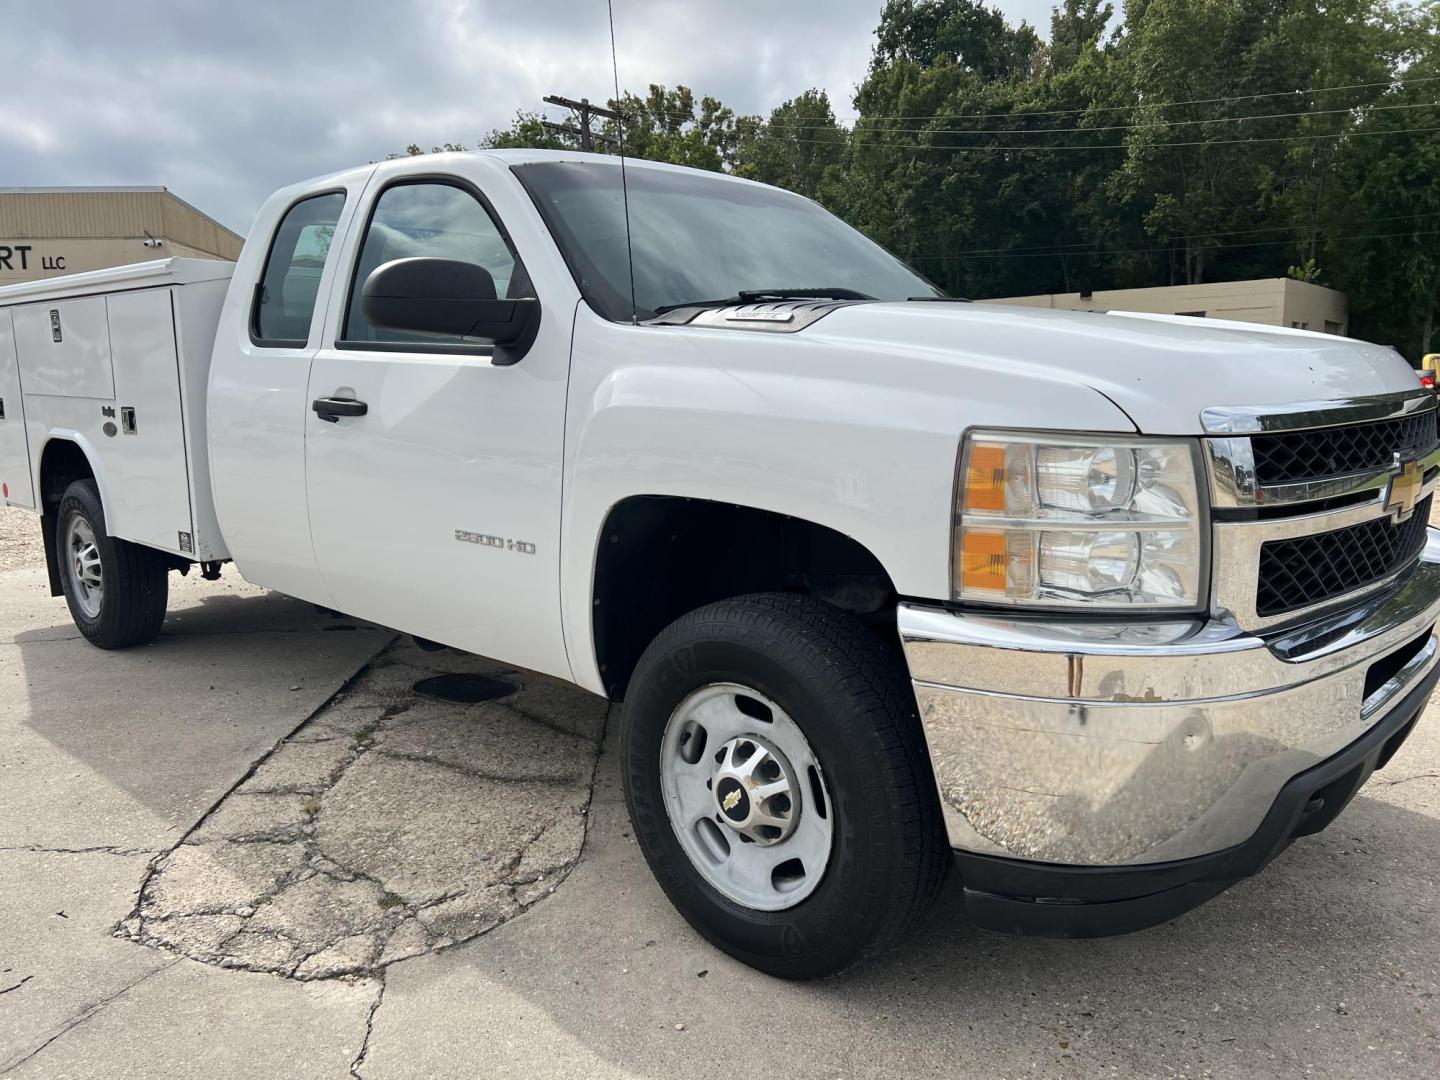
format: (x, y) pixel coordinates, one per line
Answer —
(197, 312)
(15, 486)
(124, 378)
(147, 460)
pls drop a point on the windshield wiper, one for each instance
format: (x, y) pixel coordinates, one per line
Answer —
(750, 296)
(828, 293)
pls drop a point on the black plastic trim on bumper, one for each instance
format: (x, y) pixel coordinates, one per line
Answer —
(1049, 900)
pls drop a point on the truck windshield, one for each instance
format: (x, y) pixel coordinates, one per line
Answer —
(699, 238)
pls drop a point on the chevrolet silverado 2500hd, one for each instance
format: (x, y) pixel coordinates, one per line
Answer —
(1105, 609)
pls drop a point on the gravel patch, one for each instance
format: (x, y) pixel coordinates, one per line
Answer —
(20, 545)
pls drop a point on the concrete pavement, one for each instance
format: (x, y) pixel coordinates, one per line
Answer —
(106, 760)
(1325, 965)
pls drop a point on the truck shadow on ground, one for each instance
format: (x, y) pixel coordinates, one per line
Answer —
(173, 724)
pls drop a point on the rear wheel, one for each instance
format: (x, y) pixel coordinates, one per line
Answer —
(116, 590)
(778, 784)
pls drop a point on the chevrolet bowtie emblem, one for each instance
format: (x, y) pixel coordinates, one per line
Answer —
(731, 800)
(1404, 490)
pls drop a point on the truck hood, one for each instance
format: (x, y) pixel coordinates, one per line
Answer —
(1162, 370)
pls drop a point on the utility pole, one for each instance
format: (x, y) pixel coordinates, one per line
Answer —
(583, 110)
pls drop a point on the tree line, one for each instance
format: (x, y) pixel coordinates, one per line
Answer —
(1188, 141)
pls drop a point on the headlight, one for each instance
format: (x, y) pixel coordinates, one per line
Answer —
(1068, 520)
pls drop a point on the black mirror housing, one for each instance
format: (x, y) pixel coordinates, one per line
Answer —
(449, 297)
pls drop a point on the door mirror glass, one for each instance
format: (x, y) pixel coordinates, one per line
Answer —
(449, 299)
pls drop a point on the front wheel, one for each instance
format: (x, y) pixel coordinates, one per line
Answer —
(116, 590)
(778, 784)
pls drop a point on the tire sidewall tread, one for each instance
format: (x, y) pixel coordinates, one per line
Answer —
(851, 697)
(135, 578)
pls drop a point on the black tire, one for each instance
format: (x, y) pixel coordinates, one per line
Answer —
(135, 578)
(851, 697)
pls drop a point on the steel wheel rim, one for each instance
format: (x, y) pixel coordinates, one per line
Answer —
(746, 797)
(82, 564)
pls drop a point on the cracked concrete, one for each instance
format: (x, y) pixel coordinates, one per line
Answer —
(389, 825)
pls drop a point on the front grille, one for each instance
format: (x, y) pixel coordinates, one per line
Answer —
(1309, 570)
(1312, 455)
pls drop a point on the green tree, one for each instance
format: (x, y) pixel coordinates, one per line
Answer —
(672, 126)
(527, 132)
(942, 168)
(1075, 30)
(801, 147)
(962, 32)
(1385, 248)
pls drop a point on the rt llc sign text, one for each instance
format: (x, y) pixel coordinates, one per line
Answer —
(13, 254)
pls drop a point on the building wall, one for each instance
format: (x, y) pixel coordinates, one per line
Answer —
(1314, 307)
(48, 232)
(1271, 301)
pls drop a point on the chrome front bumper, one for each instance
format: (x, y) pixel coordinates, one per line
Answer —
(1124, 744)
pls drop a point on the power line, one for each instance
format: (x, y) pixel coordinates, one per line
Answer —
(851, 134)
(1396, 82)
(1088, 248)
(1126, 146)
(1134, 105)
(1152, 249)
(1128, 127)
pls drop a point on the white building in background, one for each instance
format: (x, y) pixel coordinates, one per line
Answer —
(1272, 301)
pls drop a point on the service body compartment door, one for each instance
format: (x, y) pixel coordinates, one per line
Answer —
(146, 461)
(15, 486)
(64, 348)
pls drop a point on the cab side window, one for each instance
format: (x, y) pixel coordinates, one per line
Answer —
(431, 219)
(290, 283)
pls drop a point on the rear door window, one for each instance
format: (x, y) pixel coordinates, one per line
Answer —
(290, 283)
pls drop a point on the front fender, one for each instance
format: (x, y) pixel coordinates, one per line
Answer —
(862, 444)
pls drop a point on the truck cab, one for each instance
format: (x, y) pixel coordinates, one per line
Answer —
(880, 585)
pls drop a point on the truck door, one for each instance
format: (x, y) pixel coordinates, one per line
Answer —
(435, 492)
(14, 453)
(258, 383)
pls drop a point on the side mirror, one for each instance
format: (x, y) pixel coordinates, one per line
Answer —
(452, 298)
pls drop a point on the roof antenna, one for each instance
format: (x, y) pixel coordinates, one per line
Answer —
(624, 186)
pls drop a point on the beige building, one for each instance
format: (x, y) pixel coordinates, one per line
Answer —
(1273, 301)
(46, 232)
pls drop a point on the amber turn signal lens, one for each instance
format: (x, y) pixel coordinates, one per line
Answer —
(985, 478)
(982, 560)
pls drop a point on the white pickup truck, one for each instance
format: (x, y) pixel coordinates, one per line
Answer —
(1104, 609)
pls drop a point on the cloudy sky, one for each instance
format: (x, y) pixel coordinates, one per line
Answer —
(224, 100)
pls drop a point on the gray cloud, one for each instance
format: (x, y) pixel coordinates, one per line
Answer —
(222, 102)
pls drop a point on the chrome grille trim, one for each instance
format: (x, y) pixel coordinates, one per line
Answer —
(1258, 419)
(1230, 463)
(1237, 544)
(1293, 457)
(1312, 570)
